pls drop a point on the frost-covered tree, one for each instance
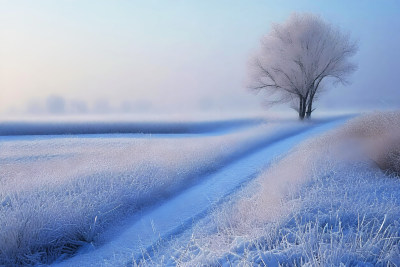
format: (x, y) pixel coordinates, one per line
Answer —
(298, 57)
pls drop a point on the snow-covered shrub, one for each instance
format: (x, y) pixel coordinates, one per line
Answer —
(379, 135)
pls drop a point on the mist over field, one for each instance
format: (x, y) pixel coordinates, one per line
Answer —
(173, 56)
(199, 133)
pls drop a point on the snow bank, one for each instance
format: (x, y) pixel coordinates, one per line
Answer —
(58, 194)
(325, 203)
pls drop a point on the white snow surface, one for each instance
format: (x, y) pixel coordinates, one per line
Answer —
(174, 216)
(59, 192)
(333, 200)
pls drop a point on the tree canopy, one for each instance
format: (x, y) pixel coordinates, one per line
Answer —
(298, 57)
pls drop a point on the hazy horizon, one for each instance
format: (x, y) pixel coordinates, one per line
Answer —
(80, 57)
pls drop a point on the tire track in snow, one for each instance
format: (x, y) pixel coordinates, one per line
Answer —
(168, 219)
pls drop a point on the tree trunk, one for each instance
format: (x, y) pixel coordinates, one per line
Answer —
(309, 107)
(302, 108)
(309, 110)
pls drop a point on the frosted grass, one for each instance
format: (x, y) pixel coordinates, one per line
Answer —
(327, 203)
(58, 194)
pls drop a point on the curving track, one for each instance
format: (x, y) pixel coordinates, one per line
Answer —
(176, 215)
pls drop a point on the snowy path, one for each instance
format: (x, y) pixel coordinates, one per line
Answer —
(176, 215)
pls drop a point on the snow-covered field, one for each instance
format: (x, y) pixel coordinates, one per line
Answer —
(331, 200)
(61, 192)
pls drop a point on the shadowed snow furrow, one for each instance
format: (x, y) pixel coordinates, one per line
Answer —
(176, 215)
(62, 128)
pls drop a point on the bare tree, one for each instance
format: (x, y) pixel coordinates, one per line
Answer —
(298, 57)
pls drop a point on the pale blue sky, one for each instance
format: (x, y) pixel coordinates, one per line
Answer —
(177, 56)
